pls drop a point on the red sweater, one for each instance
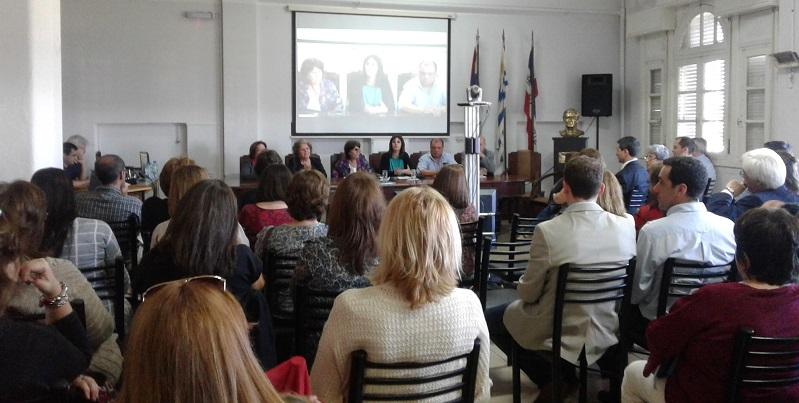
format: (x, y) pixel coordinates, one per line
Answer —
(701, 328)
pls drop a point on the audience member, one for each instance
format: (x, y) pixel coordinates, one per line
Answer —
(683, 147)
(303, 159)
(791, 174)
(777, 145)
(556, 200)
(73, 168)
(183, 179)
(763, 174)
(396, 161)
(700, 330)
(351, 161)
(688, 233)
(306, 200)
(651, 210)
(202, 239)
(81, 142)
(656, 153)
(610, 196)
(109, 202)
(190, 343)
(487, 163)
(451, 183)
(632, 176)
(155, 210)
(247, 162)
(271, 210)
(700, 153)
(414, 312)
(264, 160)
(343, 259)
(608, 239)
(432, 162)
(24, 206)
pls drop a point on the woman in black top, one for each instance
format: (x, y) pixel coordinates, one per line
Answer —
(303, 158)
(396, 161)
(201, 239)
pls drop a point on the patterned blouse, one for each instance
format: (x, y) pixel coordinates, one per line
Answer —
(467, 215)
(342, 168)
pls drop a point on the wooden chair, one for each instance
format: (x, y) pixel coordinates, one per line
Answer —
(415, 159)
(680, 278)
(463, 378)
(471, 242)
(521, 228)
(506, 259)
(109, 284)
(127, 233)
(311, 310)
(579, 285)
(762, 362)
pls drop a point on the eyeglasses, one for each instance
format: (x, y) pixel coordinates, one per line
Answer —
(208, 279)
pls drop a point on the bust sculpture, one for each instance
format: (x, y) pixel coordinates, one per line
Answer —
(570, 118)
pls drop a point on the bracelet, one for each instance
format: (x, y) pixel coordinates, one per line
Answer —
(727, 188)
(58, 301)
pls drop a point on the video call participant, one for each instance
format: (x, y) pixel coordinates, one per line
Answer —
(315, 94)
(369, 91)
(423, 94)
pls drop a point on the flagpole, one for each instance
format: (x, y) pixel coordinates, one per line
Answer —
(504, 121)
(530, 106)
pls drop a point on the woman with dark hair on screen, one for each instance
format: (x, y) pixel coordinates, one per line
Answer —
(352, 161)
(369, 91)
(396, 161)
(315, 94)
(247, 162)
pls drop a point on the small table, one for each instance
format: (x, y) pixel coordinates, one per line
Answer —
(139, 190)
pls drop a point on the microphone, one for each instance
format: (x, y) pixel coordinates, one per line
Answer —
(474, 93)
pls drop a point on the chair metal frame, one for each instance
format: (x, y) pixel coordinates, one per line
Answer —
(637, 199)
(498, 254)
(472, 237)
(115, 286)
(522, 228)
(127, 233)
(467, 384)
(669, 281)
(759, 374)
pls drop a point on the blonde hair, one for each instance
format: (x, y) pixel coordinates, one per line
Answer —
(189, 343)
(612, 199)
(182, 180)
(420, 246)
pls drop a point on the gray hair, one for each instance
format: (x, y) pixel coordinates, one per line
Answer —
(660, 151)
(765, 167)
(78, 140)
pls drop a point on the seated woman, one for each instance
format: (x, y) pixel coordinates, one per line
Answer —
(271, 209)
(202, 239)
(700, 329)
(303, 159)
(264, 160)
(369, 91)
(396, 161)
(352, 161)
(23, 205)
(155, 210)
(656, 154)
(650, 211)
(306, 199)
(414, 312)
(611, 197)
(247, 162)
(451, 183)
(190, 343)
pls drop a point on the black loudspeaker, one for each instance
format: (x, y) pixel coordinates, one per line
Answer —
(597, 95)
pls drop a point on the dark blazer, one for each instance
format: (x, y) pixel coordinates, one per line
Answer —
(723, 204)
(246, 169)
(633, 177)
(355, 85)
(384, 161)
(316, 162)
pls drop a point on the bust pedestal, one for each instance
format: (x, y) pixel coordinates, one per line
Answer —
(561, 146)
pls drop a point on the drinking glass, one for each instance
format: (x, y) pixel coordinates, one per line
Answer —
(384, 176)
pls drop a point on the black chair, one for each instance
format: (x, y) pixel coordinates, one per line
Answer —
(471, 242)
(311, 310)
(279, 273)
(584, 286)
(522, 228)
(637, 199)
(146, 238)
(109, 284)
(334, 159)
(711, 183)
(762, 362)
(463, 378)
(415, 159)
(507, 260)
(680, 278)
(127, 233)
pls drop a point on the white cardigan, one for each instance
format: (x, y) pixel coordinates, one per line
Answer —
(379, 320)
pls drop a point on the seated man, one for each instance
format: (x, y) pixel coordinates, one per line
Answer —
(632, 177)
(763, 176)
(423, 94)
(432, 162)
(683, 147)
(109, 202)
(687, 232)
(487, 164)
(700, 153)
(583, 234)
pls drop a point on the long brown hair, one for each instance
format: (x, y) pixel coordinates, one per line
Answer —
(201, 236)
(189, 343)
(23, 204)
(10, 243)
(451, 183)
(354, 219)
(182, 180)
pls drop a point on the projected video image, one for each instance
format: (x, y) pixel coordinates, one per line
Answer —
(370, 74)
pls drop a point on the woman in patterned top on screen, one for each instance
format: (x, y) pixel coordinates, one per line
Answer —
(271, 209)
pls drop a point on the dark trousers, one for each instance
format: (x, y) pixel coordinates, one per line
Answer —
(638, 324)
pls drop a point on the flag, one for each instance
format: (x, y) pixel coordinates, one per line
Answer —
(474, 76)
(501, 107)
(529, 99)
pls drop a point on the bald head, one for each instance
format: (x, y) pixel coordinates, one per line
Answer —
(108, 168)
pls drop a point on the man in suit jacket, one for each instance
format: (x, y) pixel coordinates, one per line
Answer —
(633, 178)
(583, 234)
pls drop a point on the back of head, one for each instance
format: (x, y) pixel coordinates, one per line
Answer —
(451, 183)
(630, 144)
(307, 195)
(189, 343)
(612, 198)
(108, 168)
(700, 145)
(767, 240)
(778, 145)
(687, 142)
(660, 151)
(78, 140)
(23, 206)
(273, 183)
(583, 175)
(165, 177)
(791, 173)
(689, 171)
(354, 219)
(183, 179)
(654, 174)
(764, 167)
(11, 246)
(420, 246)
(201, 235)
(593, 153)
(266, 159)
(61, 208)
(254, 148)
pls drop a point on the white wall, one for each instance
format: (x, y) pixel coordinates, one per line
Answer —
(785, 119)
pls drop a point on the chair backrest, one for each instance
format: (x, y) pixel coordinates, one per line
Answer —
(506, 259)
(471, 242)
(108, 283)
(680, 278)
(459, 157)
(146, 238)
(709, 188)
(522, 228)
(461, 379)
(334, 158)
(127, 233)
(311, 310)
(374, 161)
(403, 78)
(415, 159)
(762, 362)
(637, 199)
(279, 276)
